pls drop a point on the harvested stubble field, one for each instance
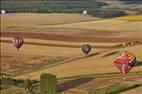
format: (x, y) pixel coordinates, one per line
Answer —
(58, 52)
(71, 24)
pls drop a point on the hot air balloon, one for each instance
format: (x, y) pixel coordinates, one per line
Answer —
(86, 48)
(18, 42)
(125, 61)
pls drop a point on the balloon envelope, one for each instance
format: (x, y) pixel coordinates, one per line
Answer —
(18, 42)
(86, 48)
(125, 61)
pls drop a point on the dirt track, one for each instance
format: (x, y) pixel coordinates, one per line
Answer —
(75, 38)
(58, 45)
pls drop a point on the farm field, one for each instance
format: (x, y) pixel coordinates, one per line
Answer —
(90, 65)
(131, 18)
(52, 44)
(77, 25)
(129, 27)
(40, 19)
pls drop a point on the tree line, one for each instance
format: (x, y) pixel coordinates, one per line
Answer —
(93, 7)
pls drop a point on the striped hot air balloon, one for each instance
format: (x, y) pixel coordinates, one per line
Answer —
(18, 42)
(125, 61)
(86, 48)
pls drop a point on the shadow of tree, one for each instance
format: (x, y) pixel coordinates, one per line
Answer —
(74, 83)
(138, 63)
(110, 54)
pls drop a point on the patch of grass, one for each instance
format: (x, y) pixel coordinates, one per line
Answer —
(116, 88)
(6, 82)
(3, 86)
(14, 90)
(14, 86)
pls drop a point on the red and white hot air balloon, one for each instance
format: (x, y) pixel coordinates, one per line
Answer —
(18, 42)
(125, 61)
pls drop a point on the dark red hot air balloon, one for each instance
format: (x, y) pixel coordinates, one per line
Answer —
(125, 61)
(86, 48)
(18, 42)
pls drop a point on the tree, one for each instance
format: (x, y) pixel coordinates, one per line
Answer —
(48, 84)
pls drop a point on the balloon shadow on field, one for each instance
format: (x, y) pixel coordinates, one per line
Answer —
(138, 63)
(73, 83)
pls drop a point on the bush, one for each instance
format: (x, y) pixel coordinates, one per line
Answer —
(6, 82)
(10, 81)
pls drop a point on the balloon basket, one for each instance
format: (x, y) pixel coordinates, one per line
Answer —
(124, 77)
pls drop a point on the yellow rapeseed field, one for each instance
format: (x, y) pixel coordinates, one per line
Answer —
(130, 18)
